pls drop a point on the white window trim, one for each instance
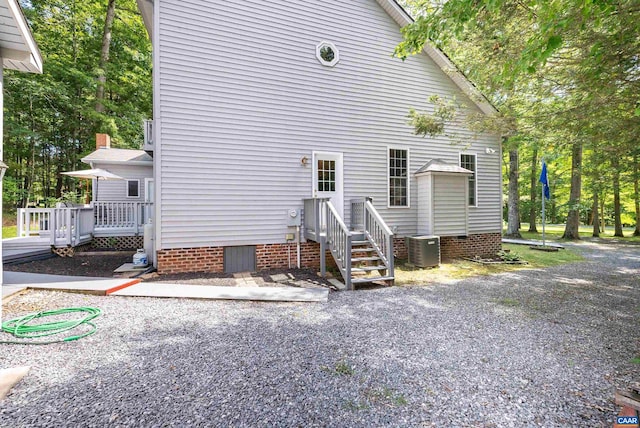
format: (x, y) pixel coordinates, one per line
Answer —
(336, 53)
(127, 188)
(475, 176)
(408, 178)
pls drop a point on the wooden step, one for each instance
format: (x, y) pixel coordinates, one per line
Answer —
(366, 279)
(364, 259)
(362, 250)
(354, 243)
(368, 268)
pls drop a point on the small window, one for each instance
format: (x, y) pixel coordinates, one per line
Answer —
(326, 175)
(398, 178)
(327, 54)
(133, 188)
(469, 162)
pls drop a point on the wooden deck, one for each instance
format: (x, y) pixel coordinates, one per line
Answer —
(40, 228)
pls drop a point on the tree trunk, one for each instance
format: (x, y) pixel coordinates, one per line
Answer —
(636, 195)
(603, 223)
(533, 192)
(513, 216)
(571, 230)
(615, 163)
(104, 55)
(596, 220)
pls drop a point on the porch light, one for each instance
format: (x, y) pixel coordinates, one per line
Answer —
(3, 169)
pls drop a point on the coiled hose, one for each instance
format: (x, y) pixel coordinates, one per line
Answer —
(22, 329)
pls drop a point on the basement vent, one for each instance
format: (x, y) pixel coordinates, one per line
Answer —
(240, 259)
(423, 251)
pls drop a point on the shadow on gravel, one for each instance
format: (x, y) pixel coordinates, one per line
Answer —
(392, 357)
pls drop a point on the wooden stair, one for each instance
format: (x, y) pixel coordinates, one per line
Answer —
(367, 262)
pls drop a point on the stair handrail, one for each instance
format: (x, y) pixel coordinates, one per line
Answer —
(380, 235)
(339, 240)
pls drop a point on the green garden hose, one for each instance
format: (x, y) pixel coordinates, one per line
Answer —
(20, 327)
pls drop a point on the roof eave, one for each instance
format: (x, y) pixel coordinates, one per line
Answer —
(146, 10)
(22, 60)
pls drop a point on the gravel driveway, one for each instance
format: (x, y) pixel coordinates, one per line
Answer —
(531, 348)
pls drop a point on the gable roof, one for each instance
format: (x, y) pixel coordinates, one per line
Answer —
(438, 165)
(129, 156)
(402, 18)
(18, 48)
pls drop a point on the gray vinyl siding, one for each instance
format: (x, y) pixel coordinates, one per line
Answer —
(450, 205)
(425, 204)
(116, 190)
(242, 98)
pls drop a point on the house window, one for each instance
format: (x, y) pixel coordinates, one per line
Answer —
(469, 162)
(398, 177)
(327, 54)
(326, 175)
(133, 188)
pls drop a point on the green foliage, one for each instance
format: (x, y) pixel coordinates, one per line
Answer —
(50, 119)
(562, 73)
(432, 124)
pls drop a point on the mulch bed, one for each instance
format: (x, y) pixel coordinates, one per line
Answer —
(78, 265)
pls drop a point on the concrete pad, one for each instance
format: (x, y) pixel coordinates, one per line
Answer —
(530, 242)
(130, 267)
(9, 377)
(78, 284)
(272, 294)
(10, 290)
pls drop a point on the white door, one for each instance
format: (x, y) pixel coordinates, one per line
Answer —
(327, 178)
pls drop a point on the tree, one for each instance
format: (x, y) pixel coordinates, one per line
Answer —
(569, 68)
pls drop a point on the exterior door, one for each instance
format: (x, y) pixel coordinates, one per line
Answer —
(327, 178)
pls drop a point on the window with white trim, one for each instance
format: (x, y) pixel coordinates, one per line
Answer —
(398, 177)
(468, 161)
(133, 188)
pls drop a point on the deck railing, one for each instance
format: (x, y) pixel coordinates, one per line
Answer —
(379, 234)
(33, 221)
(339, 240)
(76, 225)
(127, 217)
(63, 226)
(314, 218)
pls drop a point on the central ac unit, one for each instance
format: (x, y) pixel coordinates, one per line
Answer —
(423, 251)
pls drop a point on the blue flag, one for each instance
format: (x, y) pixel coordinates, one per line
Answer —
(545, 181)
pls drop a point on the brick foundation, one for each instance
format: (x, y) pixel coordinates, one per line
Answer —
(275, 256)
(483, 245)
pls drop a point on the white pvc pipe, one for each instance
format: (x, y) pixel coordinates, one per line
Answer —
(298, 244)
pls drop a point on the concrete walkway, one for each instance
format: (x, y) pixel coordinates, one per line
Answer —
(15, 282)
(79, 284)
(531, 242)
(271, 294)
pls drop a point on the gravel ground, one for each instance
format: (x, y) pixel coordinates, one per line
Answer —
(530, 348)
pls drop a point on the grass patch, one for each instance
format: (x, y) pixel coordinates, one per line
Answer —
(461, 269)
(341, 368)
(386, 395)
(9, 232)
(506, 301)
(636, 360)
(355, 406)
(554, 232)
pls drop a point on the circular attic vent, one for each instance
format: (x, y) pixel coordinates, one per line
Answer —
(327, 54)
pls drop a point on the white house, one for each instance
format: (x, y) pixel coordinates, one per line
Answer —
(134, 166)
(259, 106)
